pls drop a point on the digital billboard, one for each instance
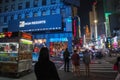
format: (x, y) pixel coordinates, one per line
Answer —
(42, 23)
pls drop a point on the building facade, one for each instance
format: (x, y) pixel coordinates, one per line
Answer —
(49, 21)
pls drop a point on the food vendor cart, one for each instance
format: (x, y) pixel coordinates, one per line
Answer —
(15, 53)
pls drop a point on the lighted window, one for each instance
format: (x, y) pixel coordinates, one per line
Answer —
(27, 15)
(53, 11)
(43, 13)
(35, 14)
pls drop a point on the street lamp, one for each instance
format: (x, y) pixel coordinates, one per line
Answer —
(96, 35)
(95, 20)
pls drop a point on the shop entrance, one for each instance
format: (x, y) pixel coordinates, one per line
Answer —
(57, 48)
(37, 45)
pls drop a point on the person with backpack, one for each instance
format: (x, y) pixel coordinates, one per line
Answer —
(66, 55)
(86, 60)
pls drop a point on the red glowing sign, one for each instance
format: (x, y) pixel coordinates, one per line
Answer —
(26, 36)
(74, 25)
(8, 34)
(94, 3)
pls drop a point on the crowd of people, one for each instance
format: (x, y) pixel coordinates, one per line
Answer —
(44, 67)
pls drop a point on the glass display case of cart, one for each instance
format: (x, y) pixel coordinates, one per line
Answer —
(15, 52)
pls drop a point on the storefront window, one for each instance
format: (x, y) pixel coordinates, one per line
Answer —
(37, 45)
(9, 47)
(56, 48)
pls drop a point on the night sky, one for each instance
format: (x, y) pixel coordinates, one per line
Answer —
(83, 12)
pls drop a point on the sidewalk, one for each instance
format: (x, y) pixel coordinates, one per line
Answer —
(69, 76)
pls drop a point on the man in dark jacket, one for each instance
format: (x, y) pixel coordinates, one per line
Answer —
(66, 55)
(44, 68)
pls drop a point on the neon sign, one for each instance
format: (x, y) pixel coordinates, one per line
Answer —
(74, 25)
(2, 35)
(6, 34)
(26, 36)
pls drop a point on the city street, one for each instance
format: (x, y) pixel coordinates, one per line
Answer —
(99, 70)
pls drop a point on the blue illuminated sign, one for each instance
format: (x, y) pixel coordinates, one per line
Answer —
(58, 39)
(42, 23)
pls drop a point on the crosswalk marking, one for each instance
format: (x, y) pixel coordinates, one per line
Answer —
(95, 68)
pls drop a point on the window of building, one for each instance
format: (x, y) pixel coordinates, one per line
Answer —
(13, 0)
(43, 2)
(27, 15)
(62, 11)
(35, 3)
(28, 4)
(0, 9)
(5, 19)
(19, 16)
(6, 1)
(12, 7)
(6, 8)
(35, 14)
(53, 11)
(53, 1)
(12, 17)
(19, 6)
(43, 13)
(5, 29)
(1, 1)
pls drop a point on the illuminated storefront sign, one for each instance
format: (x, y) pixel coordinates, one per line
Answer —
(58, 39)
(26, 36)
(6, 34)
(23, 23)
(41, 23)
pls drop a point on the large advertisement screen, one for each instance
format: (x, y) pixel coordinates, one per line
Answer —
(42, 23)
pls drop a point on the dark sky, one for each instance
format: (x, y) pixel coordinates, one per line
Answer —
(83, 12)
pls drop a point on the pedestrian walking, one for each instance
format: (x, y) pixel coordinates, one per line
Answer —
(86, 60)
(66, 56)
(76, 63)
(117, 64)
(45, 69)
